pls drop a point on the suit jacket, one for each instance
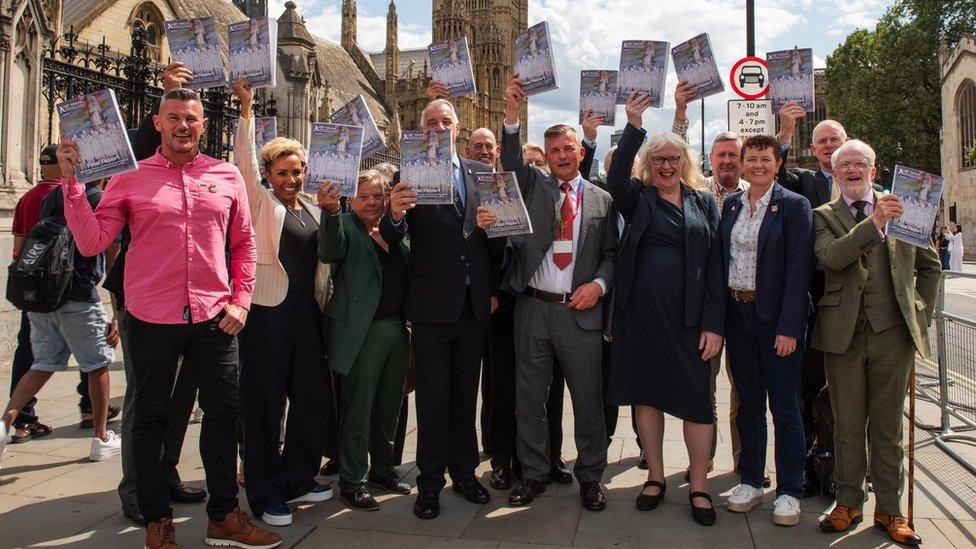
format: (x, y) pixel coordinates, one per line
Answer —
(705, 289)
(811, 184)
(448, 252)
(268, 217)
(595, 245)
(357, 283)
(841, 245)
(784, 264)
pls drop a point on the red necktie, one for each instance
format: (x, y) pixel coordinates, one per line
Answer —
(564, 231)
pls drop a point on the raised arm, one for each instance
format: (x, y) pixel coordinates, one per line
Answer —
(93, 231)
(590, 124)
(622, 187)
(245, 153)
(512, 159)
(332, 237)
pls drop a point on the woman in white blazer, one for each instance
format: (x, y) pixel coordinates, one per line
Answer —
(282, 350)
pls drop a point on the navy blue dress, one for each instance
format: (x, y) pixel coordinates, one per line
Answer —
(665, 369)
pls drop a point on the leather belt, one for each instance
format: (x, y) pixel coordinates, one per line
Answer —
(547, 296)
(742, 296)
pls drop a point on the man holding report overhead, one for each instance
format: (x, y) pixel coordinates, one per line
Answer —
(452, 281)
(559, 274)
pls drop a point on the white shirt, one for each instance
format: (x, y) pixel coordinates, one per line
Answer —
(744, 248)
(548, 277)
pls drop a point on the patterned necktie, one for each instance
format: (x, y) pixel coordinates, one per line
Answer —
(564, 231)
(859, 205)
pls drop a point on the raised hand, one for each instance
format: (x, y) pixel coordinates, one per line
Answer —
(67, 157)
(636, 104)
(402, 198)
(886, 207)
(788, 115)
(590, 123)
(328, 197)
(242, 89)
(436, 90)
(514, 98)
(486, 218)
(176, 75)
(683, 93)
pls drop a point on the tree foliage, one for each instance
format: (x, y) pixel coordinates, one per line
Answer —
(884, 85)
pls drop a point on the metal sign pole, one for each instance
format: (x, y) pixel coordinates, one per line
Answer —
(750, 27)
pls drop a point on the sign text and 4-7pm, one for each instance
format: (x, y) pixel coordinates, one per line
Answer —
(748, 117)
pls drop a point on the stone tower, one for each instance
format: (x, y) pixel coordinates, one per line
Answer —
(253, 8)
(348, 39)
(392, 66)
(452, 20)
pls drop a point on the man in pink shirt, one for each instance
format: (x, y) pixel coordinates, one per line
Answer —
(185, 211)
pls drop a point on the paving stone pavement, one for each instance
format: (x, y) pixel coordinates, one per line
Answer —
(50, 495)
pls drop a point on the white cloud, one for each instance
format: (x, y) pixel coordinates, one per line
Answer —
(324, 19)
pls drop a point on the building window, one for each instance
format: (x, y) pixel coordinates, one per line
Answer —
(148, 17)
(966, 107)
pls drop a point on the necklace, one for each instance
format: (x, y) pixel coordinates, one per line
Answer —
(292, 213)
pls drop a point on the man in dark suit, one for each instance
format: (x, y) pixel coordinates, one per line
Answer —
(452, 281)
(818, 187)
(559, 274)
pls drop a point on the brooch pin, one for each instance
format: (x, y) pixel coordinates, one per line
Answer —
(212, 188)
(775, 208)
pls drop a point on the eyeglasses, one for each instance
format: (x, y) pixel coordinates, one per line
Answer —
(660, 160)
(858, 165)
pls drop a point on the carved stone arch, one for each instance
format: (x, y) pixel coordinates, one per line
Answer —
(965, 107)
(149, 17)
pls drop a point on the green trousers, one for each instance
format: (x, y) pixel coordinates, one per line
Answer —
(374, 385)
(867, 386)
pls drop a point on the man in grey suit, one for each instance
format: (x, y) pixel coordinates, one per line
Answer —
(559, 274)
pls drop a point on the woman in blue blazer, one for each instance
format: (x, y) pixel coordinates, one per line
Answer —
(767, 243)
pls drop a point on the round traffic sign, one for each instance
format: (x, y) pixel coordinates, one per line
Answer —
(750, 77)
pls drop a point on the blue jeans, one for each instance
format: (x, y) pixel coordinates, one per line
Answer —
(759, 374)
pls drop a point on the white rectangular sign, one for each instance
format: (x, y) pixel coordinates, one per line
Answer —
(748, 117)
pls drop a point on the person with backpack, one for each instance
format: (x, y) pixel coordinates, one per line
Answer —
(66, 317)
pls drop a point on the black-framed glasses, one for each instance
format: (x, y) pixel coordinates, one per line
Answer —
(660, 160)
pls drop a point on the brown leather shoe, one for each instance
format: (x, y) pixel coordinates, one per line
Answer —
(161, 535)
(898, 529)
(236, 530)
(841, 519)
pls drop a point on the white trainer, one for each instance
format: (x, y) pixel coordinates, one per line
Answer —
(744, 498)
(105, 449)
(786, 511)
(6, 433)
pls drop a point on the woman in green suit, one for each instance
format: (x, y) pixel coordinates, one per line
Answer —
(368, 344)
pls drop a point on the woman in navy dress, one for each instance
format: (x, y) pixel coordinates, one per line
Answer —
(669, 303)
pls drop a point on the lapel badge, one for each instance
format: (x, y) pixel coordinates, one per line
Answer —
(212, 188)
(774, 208)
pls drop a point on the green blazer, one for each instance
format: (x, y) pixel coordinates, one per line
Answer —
(356, 280)
(841, 244)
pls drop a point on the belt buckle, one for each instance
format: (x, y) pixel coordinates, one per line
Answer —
(564, 298)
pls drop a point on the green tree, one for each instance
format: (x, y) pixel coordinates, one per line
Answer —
(885, 85)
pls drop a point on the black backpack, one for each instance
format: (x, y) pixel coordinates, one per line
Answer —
(40, 279)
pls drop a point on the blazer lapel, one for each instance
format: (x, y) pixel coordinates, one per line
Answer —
(587, 211)
(772, 213)
(729, 217)
(689, 209)
(471, 200)
(843, 213)
(366, 241)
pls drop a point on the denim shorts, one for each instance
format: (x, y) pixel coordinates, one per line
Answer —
(77, 328)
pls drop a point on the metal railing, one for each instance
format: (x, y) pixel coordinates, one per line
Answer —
(948, 378)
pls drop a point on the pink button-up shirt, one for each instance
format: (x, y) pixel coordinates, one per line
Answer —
(181, 218)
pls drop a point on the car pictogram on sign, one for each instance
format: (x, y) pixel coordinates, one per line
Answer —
(752, 74)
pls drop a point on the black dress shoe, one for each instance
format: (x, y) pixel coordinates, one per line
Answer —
(472, 489)
(135, 516)
(427, 506)
(525, 492)
(642, 462)
(184, 493)
(592, 496)
(647, 502)
(360, 498)
(559, 473)
(390, 483)
(331, 467)
(702, 515)
(500, 478)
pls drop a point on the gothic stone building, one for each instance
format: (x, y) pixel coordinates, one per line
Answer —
(959, 138)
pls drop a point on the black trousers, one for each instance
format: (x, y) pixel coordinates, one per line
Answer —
(499, 406)
(212, 355)
(448, 360)
(23, 360)
(282, 356)
(812, 374)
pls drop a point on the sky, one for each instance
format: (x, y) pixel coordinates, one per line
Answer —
(780, 24)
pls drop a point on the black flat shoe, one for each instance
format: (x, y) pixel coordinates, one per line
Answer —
(135, 516)
(184, 493)
(702, 515)
(360, 498)
(647, 502)
(427, 506)
(500, 478)
(592, 496)
(390, 483)
(525, 492)
(472, 489)
(559, 473)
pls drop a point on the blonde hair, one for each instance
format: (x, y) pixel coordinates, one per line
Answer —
(533, 147)
(691, 176)
(280, 147)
